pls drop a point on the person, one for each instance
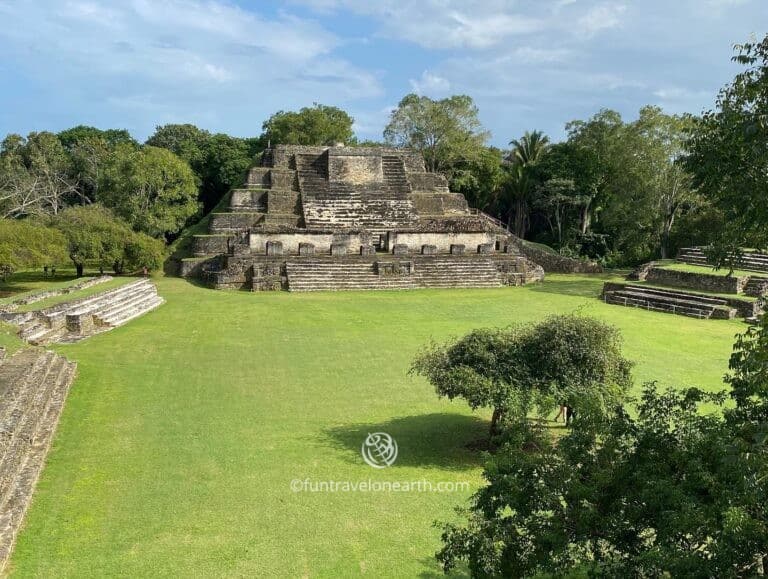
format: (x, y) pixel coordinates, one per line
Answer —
(53, 271)
(561, 412)
(144, 271)
(45, 271)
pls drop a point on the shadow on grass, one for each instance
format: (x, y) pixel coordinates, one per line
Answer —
(438, 440)
(432, 570)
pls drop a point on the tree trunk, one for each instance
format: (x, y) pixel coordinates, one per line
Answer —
(665, 234)
(497, 413)
(586, 218)
(79, 269)
(520, 217)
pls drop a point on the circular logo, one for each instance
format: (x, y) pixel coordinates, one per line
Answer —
(379, 450)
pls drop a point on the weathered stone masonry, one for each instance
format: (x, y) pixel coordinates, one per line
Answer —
(313, 218)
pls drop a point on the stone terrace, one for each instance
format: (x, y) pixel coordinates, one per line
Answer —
(751, 260)
(330, 218)
(33, 388)
(74, 320)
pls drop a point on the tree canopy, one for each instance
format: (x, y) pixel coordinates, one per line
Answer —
(315, 125)
(728, 155)
(151, 188)
(567, 359)
(673, 488)
(447, 131)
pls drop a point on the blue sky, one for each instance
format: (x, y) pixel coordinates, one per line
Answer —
(227, 66)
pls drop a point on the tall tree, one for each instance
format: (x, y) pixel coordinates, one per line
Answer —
(151, 188)
(315, 125)
(36, 176)
(729, 155)
(447, 131)
(527, 152)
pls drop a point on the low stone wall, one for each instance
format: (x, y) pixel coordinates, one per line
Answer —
(696, 281)
(209, 244)
(321, 241)
(554, 263)
(196, 267)
(442, 241)
(744, 307)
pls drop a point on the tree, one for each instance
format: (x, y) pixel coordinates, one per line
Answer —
(569, 359)
(219, 161)
(151, 188)
(315, 125)
(671, 491)
(25, 244)
(527, 152)
(96, 237)
(89, 149)
(728, 155)
(35, 175)
(479, 179)
(657, 189)
(447, 132)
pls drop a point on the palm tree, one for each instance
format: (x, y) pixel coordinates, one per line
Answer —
(526, 154)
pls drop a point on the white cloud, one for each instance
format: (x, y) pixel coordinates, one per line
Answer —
(192, 57)
(430, 84)
(600, 17)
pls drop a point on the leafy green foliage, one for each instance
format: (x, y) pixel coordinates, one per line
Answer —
(573, 359)
(25, 244)
(151, 188)
(677, 490)
(94, 236)
(219, 161)
(447, 132)
(315, 125)
(729, 155)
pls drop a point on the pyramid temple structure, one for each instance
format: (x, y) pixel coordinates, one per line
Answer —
(336, 218)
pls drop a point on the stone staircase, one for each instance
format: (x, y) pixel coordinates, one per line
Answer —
(756, 286)
(751, 260)
(33, 388)
(670, 301)
(312, 171)
(414, 272)
(72, 321)
(395, 179)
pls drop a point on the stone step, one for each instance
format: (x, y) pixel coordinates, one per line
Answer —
(18, 492)
(19, 430)
(134, 311)
(617, 299)
(656, 298)
(676, 294)
(127, 303)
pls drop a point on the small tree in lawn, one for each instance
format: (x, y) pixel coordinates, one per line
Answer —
(515, 371)
(481, 368)
(676, 490)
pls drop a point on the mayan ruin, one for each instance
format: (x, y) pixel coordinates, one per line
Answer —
(320, 289)
(336, 218)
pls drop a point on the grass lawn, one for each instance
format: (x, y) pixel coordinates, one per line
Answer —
(185, 427)
(687, 267)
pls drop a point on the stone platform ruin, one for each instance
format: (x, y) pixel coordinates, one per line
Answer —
(337, 218)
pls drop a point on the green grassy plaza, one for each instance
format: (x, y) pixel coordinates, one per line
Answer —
(184, 429)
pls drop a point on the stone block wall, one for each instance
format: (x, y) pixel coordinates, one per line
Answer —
(284, 202)
(209, 244)
(441, 240)
(321, 241)
(696, 281)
